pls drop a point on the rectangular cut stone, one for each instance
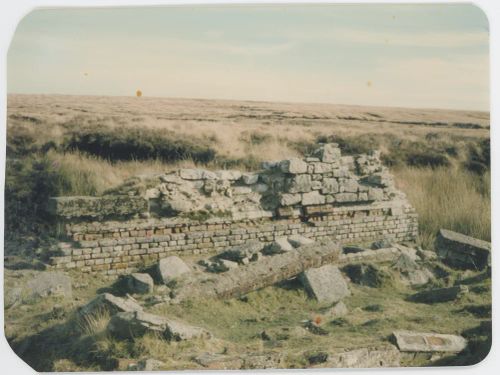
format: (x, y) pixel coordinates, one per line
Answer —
(294, 166)
(312, 198)
(330, 186)
(326, 284)
(90, 207)
(299, 184)
(290, 199)
(408, 341)
(459, 250)
(346, 197)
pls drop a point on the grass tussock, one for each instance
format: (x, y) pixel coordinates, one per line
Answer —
(450, 198)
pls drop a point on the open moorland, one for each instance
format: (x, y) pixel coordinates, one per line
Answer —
(84, 146)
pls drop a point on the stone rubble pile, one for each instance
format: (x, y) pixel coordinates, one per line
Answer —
(283, 187)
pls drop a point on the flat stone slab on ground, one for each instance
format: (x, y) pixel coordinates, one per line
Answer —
(326, 284)
(440, 294)
(137, 323)
(110, 303)
(408, 341)
(459, 250)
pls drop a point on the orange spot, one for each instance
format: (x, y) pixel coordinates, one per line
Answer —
(369, 83)
(317, 320)
(138, 93)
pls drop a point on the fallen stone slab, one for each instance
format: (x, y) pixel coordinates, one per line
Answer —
(326, 284)
(364, 358)
(459, 250)
(132, 324)
(297, 240)
(110, 303)
(171, 267)
(440, 294)
(408, 341)
(247, 250)
(141, 283)
(47, 284)
(278, 246)
(256, 275)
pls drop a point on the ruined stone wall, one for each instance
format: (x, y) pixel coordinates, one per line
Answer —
(192, 211)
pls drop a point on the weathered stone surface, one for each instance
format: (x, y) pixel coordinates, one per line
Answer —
(257, 275)
(381, 244)
(326, 284)
(140, 283)
(299, 184)
(131, 324)
(411, 272)
(172, 267)
(367, 275)
(137, 323)
(250, 178)
(408, 341)
(349, 185)
(375, 194)
(230, 175)
(47, 284)
(278, 246)
(97, 207)
(262, 361)
(247, 250)
(179, 331)
(365, 358)
(328, 153)
(294, 166)
(296, 240)
(191, 174)
(312, 198)
(440, 294)
(462, 251)
(290, 199)
(330, 186)
(346, 197)
(110, 303)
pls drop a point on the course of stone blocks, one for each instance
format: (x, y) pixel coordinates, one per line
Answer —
(193, 211)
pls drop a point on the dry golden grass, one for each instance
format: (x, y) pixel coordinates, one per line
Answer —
(449, 198)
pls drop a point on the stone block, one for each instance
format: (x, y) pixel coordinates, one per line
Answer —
(171, 267)
(97, 207)
(459, 250)
(326, 284)
(330, 186)
(287, 199)
(249, 178)
(278, 246)
(231, 175)
(297, 240)
(141, 283)
(328, 153)
(408, 341)
(312, 198)
(346, 197)
(293, 166)
(299, 184)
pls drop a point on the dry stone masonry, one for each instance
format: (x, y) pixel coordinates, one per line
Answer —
(194, 211)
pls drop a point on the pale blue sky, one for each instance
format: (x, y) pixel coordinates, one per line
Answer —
(392, 55)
